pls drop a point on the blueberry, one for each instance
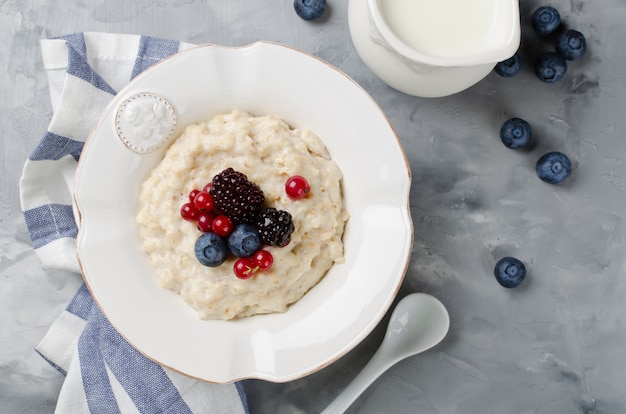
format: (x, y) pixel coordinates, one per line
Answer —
(309, 9)
(244, 240)
(550, 67)
(553, 167)
(509, 67)
(546, 20)
(571, 45)
(516, 133)
(211, 250)
(510, 272)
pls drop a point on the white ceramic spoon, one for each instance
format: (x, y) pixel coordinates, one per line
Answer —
(418, 323)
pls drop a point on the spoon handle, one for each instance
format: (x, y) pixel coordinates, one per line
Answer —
(374, 368)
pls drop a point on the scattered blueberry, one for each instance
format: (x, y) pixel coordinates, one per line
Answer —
(211, 250)
(571, 45)
(553, 167)
(550, 67)
(546, 20)
(516, 133)
(510, 272)
(244, 240)
(309, 9)
(509, 68)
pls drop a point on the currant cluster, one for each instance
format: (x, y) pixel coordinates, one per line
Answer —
(228, 212)
(201, 210)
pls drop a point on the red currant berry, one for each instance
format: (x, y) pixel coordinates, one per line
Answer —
(263, 259)
(189, 212)
(222, 225)
(203, 201)
(205, 222)
(244, 268)
(193, 194)
(207, 187)
(297, 187)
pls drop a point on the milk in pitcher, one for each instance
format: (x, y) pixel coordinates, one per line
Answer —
(442, 27)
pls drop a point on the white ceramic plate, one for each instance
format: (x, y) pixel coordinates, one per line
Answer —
(264, 79)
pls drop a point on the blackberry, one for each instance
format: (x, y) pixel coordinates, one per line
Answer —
(275, 227)
(236, 197)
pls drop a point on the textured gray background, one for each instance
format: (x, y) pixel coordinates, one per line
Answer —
(555, 345)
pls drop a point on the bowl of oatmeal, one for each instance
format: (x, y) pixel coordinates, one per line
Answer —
(260, 153)
(261, 111)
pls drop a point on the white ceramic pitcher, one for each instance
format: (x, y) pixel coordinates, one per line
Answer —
(433, 48)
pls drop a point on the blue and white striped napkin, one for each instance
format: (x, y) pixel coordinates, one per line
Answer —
(104, 374)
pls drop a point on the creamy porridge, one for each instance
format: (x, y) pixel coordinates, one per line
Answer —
(268, 152)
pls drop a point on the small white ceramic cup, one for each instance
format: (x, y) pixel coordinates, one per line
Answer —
(424, 73)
